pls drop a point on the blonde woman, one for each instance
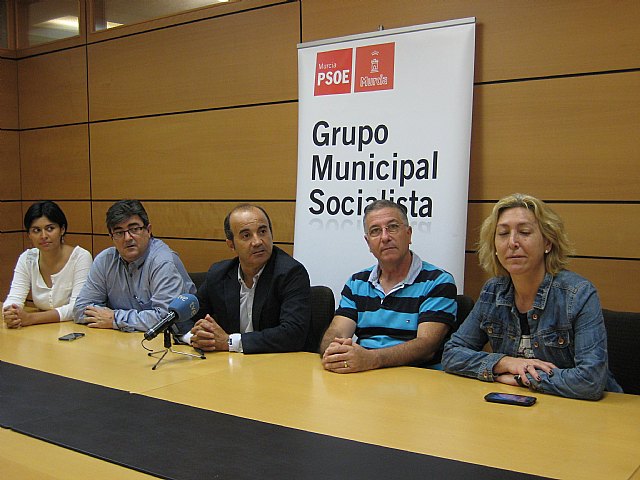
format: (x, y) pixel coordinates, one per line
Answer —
(544, 323)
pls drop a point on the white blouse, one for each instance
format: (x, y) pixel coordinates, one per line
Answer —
(65, 285)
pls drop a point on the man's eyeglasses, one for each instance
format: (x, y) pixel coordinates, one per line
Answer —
(391, 229)
(133, 231)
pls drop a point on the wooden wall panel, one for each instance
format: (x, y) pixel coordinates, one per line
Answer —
(568, 138)
(8, 93)
(240, 59)
(78, 216)
(55, 163)
(514, 39)
(198, 255)
(614, 279)
(10, 249)
(53, 88)
(599, 230)
(243, 153)
(10, 216)
(200, 220)
(10, 165)
(85, 241)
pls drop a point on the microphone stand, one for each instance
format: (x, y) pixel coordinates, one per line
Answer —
(167, 348)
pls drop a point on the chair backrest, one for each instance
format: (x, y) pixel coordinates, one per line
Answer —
(623, 335)
(465, 305)
(323, 307)
(197, 278)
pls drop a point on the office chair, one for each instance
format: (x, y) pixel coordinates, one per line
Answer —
(198, 278)
(323, 307)
(623, 335)
(465, 305)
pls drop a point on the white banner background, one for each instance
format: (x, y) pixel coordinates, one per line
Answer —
(428, 110)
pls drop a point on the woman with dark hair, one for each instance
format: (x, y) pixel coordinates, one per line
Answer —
(543, 323)
(53, 271)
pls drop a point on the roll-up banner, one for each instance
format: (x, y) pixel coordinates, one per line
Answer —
(384, 115)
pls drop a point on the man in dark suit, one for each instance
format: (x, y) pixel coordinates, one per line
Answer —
(257, 302)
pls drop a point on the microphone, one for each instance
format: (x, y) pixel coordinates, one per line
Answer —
(182, 308)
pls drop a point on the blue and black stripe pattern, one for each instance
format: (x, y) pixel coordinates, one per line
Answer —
(383, 321)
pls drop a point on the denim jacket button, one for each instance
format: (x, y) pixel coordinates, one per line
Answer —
(485, 374)
(489, 330)
(561, 341)
(535, 344)
(534, 316)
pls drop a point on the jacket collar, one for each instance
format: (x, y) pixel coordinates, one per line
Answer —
(506, 293)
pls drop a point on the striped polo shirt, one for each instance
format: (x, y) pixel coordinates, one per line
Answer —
(427, 294)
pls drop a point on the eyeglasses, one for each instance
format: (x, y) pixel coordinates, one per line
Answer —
(133, 231)
(391, 229)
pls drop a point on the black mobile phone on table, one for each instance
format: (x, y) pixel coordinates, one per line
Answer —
(71, 336)
(510, 399)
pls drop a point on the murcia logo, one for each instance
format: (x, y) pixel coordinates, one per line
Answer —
(375, 66)
(333, 72)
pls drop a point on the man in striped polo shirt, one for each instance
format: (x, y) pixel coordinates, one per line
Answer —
(400, 310)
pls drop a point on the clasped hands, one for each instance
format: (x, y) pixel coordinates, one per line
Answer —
(344, 356)
(15, 316)
(209, 336)
(508, 367)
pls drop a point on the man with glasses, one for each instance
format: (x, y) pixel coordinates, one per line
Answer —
(131, 284)
(400, 310)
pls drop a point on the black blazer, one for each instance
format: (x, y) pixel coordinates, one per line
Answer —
(281, 305)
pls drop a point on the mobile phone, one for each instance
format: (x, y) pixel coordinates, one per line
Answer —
(71, 336)
(510, 399)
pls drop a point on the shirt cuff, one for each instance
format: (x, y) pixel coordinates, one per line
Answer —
(186, 338)
(235, 342)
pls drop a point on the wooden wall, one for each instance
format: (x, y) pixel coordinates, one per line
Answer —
(194, 113)
(10, 191)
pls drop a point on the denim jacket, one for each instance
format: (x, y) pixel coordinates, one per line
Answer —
(567, 329)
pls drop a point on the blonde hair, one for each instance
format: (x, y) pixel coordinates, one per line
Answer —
(551, 226)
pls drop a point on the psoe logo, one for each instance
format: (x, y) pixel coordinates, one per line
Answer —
(333, 72)
(375, 65)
